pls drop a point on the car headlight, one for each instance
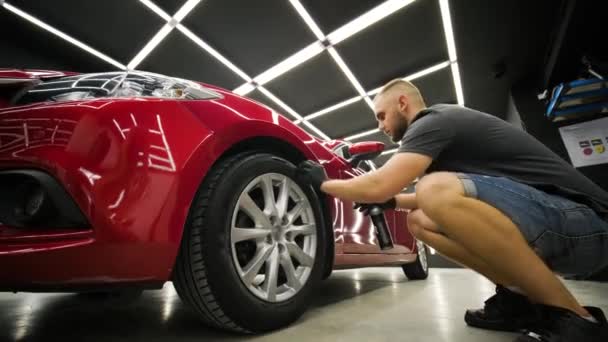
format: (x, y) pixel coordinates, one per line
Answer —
(115, 85)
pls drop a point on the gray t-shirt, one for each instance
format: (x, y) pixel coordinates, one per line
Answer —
(464, 140)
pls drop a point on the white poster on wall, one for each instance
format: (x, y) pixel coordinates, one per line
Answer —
(587, 142)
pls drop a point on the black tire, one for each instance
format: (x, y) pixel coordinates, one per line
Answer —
(416, 270)
(205, 276)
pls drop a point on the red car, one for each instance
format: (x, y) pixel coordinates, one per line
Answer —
(122, 180)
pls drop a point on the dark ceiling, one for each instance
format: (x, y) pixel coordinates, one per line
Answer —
(497, 43)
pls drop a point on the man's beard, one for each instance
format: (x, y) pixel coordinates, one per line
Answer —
(398, 133)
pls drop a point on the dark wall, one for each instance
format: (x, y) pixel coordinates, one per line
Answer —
(531, 111)
(576, 35)
(498, 43)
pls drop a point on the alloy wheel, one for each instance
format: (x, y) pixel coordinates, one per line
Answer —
(273, 237)
(422, 255)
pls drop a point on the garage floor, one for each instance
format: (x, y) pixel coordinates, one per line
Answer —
(375, 304)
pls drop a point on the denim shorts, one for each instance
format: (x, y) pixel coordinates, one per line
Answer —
(570, 237)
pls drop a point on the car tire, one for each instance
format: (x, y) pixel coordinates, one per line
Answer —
(209, 275)
(419, 269)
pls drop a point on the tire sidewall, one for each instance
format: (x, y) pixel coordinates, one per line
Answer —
(233, 296)
(415, 271)
(419, 263)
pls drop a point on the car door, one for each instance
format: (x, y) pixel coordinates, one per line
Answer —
(397, 220)
(358, 232)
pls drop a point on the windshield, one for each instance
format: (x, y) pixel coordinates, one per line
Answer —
(113, 84)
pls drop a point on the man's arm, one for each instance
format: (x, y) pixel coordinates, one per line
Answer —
(380, 185)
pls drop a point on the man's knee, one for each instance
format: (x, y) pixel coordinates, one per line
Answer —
(418, 222)
(436, 189)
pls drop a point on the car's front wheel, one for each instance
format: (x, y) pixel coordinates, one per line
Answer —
(253, 248)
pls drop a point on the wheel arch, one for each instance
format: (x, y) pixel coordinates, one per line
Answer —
(267, 138)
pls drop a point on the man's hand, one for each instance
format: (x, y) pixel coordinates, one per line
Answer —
(364, 207)
(310, 172)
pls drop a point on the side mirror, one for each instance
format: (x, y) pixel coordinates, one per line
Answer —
(364, 151)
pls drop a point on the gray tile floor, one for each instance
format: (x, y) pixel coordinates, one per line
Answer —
(374, 304)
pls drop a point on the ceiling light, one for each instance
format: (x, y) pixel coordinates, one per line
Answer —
(308, 19)
(411, 77)
(457, 84)
(284, 66)
(379, 12)
(363, 21)
(375, 91)
(244, 89)
(346, 70)
(427, 71)
(362, 134)
(156, 9)
(292, 112)
(369, 102)
(289, 63)
(316, 130)
(164, 32)
(417, 74)
(449, 37)
(332, 108)
(447, 28)
(393, 150)
(185, 9)
(62, 35)
(213, 52)
(280, 103)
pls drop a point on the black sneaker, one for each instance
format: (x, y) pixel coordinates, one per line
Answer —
(505, 311)
(562, 325)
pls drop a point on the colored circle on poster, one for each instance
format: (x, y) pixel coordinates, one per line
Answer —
(588, 151)
(600, 149)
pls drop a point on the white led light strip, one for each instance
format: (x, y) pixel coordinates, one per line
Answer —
(289, 63)
(344, 103)
(451, 43)
(198, 41)
(175, 22)
(62, 35)
(418, 74)
(339, 35)
(156, 9)
(351, 77)
(332, 51)
(330, 109)
(164, 31)
(367, 19)
(153, 43)
(308, 19)
(292, 112)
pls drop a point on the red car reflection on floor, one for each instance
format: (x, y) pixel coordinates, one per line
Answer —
(123, 180)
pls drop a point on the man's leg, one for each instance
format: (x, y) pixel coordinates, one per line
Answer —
(427, 231)
(489, 235)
